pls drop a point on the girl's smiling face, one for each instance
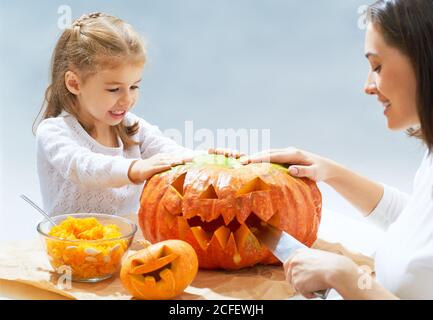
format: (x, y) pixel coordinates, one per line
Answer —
(392, 79)
(105, 97)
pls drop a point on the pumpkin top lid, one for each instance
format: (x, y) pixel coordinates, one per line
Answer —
(217, 160)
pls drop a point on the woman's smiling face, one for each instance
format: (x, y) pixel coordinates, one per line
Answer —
(392, 79)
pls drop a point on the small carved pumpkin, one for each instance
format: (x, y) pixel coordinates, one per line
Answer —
(160, 271)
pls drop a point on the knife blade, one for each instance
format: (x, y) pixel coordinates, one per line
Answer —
(282, 245)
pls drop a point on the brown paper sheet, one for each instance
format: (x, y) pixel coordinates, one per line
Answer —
(26, 262)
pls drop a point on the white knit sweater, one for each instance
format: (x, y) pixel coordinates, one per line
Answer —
(404, 259)
(78, 174)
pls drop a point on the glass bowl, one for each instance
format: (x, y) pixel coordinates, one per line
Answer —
(88, 260)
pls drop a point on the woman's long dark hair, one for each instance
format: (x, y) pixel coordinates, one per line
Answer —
(408, 26)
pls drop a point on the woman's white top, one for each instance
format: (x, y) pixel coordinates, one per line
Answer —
(404, 259)
(78, 174)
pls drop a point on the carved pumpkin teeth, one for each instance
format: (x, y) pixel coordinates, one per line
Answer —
(254, 220)
(137, 284)
(246, 240)
(232, 242)
(275, 220)
(201, 236)
(150, 281)
(205, 232)
(264, 213)
(228, 216)
(240, 235)
(263, 206)
(167, 275)
(242, 216)
(233, 248)
(259, 202)
(222, 235)
(206, 209)
(212, 226)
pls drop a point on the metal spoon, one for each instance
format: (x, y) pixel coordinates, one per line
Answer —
(39, 209)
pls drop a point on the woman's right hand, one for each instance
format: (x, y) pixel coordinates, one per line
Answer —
(301, 163)
(143, 169)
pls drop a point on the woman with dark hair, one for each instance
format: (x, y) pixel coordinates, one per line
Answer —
(399, 47)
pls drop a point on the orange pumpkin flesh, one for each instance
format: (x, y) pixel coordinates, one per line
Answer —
(215, 204)
(161, 271)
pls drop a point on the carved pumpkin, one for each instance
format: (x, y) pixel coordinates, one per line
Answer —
(160, 271)
(214, 203)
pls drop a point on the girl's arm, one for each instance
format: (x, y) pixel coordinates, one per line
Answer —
(77, 163)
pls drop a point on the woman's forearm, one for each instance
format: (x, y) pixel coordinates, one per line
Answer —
(376, 292)
(357, 285)
(361, 192)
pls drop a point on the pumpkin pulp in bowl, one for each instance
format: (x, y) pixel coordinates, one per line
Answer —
(88, 246)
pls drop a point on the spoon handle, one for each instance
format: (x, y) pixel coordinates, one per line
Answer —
(39, 209)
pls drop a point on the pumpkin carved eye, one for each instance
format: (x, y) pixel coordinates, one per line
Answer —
(209, 193)
(178, 183)
(216, 205)
(254, 185)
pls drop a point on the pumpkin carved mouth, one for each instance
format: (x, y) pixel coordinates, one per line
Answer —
(210, 227)
(156, 271)
(219, 227)
(216, 208)
(210, 218)
(157, 274)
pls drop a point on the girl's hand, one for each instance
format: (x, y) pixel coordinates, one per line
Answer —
(143, 169)
(302, 163)
(310, 270)
(226, 152)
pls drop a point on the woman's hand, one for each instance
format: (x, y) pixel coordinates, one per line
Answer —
(302, 163)
(226, 152)
(310, 270)
(363, 193)
(143, 169)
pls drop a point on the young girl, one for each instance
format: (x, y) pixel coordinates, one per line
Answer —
(400, 51)
(93, 154)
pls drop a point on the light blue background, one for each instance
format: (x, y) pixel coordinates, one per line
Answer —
(296, 67)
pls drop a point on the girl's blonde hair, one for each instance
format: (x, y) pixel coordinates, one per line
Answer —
(93, 42)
